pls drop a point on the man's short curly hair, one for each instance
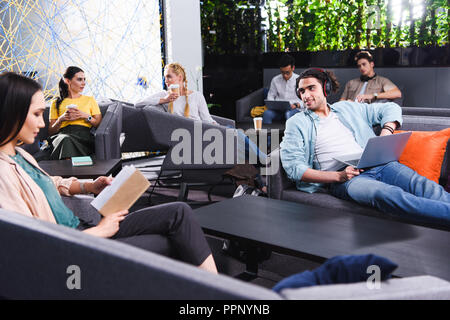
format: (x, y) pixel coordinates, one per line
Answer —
(321, 75)
(364, 55)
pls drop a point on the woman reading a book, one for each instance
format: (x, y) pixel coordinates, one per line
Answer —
(26, 189)
(72, 115)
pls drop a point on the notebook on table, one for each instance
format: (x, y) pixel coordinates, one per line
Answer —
(81, 161)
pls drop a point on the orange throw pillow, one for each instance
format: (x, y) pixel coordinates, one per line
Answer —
(425, 152)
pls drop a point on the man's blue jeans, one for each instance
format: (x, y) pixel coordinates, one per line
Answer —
(271, 115)
(249, 148)
(400, 191)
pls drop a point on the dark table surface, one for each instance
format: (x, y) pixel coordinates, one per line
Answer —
(319, 234)
(64, 168)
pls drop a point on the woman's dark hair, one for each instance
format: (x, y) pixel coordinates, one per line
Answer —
(16, 92)
(324, 76)
(63, 87)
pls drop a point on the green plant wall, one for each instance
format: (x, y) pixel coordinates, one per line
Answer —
(317, 25)
(231, 26)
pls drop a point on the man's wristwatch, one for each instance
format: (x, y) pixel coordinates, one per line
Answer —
(89, 119)
(375, 96)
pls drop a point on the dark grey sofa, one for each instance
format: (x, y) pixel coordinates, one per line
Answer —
(41, 260)
(423, 87)
(107, 145)
(149, 127)
(412, 81)
(162, 126)
(433, 112)
(280, 187)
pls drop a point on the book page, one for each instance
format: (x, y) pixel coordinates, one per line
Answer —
(127, 194)
(110, 190)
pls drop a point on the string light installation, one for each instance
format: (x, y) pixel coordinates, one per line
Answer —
(116, 42)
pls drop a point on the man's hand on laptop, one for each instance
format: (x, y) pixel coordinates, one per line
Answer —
(349, 173)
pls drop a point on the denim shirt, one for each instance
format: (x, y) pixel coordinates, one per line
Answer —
(299, 141)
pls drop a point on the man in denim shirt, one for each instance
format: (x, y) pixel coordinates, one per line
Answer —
(314, 137)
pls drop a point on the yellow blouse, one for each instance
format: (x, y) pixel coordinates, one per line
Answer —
(86, 104)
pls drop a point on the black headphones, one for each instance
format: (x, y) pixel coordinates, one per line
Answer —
(327, 87)
(327, 84)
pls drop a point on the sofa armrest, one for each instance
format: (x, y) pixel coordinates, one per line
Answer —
(410, 288)
(245, 104)
(107, 135)
(432, 112)
(424, 123)
(278, 181)
(224, 121)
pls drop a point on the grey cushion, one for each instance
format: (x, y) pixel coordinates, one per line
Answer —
(80, 205)
(413, 288)
(137, 133)
(326, 200)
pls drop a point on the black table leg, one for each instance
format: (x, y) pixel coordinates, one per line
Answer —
(251, 265)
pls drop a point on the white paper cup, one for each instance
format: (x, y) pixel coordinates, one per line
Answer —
(257, 122)
(72, 106)
(174, 88)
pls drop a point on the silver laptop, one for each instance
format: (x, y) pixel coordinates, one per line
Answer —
(278, 105)
(378, 151)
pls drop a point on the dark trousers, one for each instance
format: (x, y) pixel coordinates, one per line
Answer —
(166, 228)
(72, 141)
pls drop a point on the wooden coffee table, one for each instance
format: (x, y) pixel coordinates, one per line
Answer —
(64, 168)
(318, 234)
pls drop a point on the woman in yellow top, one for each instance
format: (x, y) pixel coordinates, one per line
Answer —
(72, 116)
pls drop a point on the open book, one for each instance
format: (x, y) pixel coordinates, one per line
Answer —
(123, 192)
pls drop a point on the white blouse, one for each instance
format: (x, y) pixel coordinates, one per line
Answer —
(198, 110)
